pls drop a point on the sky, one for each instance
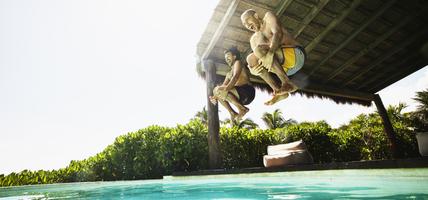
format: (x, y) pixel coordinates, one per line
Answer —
(74, 75)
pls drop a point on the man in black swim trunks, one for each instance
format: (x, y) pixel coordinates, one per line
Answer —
(236, 88)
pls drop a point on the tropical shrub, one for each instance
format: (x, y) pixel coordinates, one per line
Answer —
(156, 151)
(316, 137)
(245, 148)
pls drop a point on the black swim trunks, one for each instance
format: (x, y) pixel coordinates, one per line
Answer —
(246, 93)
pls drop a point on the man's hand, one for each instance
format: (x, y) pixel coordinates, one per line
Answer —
(222, 87)
(264, 46)
(257, 70)
(213, 100)
(268, 60)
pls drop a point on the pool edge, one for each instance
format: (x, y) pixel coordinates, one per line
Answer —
(420, 162)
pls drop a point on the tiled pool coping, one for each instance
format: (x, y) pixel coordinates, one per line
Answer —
(421, 162)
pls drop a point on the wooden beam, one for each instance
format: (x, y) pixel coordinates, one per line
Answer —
(353, 35)
(235, 42)
(369, 48)
(332, 25)
(240, 30)
(309, 17)
(306, 3)
(214, 153)
(227, 43)
(313, 87)
(221, 68)
(257, 5)
(282, 7)
(387, 126)
(391, 69)
(339, 92)
(400, 74)
(224, 22)
(378, 61)
(317, 88)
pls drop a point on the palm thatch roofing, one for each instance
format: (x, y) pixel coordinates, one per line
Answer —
(355, 48)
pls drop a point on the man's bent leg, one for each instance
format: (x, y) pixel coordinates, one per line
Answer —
(286, 84)
(229, 109)
(267, 77)
(242, 109)
(253, 65)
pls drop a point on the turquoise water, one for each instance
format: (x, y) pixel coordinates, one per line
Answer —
(328, 184)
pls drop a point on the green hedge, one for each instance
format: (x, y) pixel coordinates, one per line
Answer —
(245, 148)
(156, 151)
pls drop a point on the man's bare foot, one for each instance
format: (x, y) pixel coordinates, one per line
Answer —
(289, 87)
(241, 113)
(281, 91)
(276, 98)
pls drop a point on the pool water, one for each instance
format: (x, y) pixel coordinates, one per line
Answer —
(328, 184)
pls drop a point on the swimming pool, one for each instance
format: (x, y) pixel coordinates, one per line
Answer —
(328, 184)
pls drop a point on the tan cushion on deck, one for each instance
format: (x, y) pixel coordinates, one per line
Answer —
(287, 154)
(291, 158)
(284, 148)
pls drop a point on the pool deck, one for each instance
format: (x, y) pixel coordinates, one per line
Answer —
(421, 162)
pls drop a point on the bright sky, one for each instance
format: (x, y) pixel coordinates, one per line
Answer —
(74, 75)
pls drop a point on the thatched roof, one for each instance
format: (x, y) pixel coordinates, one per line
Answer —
(355, 47)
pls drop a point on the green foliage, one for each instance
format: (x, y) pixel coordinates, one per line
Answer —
(245, 148)
(276, 120)
(185, 147)
(156, 151)
(363, 138)
(202, 116)
(419, 118)
(316, 137)
(246, 123)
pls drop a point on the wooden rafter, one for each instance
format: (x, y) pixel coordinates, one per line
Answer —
(379, 60)
(309, 17)
(256, 4)
(226, 18)
(339, 92)
(227, 40)
(391, 68)
(330, 53)
(353, 35)
(403, 72)
(282, 7)
(368, 48)
(240, 30)
(332, 25)
(321, 89)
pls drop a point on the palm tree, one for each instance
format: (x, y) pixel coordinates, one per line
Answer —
(422, 99)
(246, 123)
(202, 115)
(276, 120)
(420, 116)
(395, 113)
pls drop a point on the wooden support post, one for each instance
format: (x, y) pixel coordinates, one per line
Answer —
(387, 126)
(214, 153)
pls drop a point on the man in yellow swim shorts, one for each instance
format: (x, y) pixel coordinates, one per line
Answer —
(274, 50)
